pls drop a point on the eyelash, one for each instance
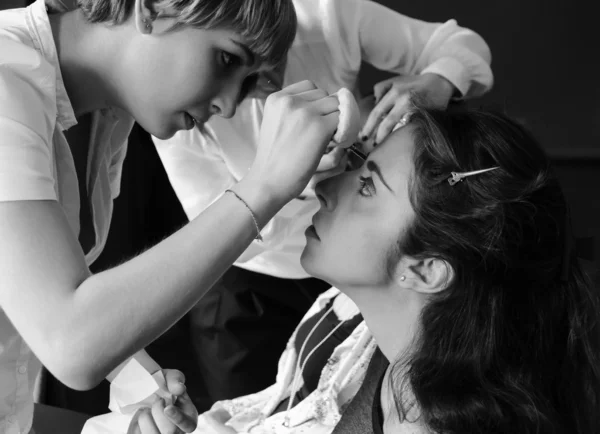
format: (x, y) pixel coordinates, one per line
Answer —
(366, 183)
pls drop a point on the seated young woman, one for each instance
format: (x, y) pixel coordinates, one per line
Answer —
(453, 240)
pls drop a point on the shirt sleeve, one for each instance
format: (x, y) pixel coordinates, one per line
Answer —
(119, 144)
(27, 121)
(396, 43)
(116, 170)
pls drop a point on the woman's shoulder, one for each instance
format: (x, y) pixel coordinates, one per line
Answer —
(27, 87)
(389, 419)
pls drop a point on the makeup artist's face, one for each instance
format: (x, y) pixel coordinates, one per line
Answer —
(189, 73)
(363, 214)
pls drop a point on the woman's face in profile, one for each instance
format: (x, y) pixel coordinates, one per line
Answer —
(362, 217)
(174, 78)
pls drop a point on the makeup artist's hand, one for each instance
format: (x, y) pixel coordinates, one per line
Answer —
(392, 101)
(338, 159)
(180, 417)
(331, 164)
(298, 124)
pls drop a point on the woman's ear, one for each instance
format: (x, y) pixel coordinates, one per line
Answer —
(426, 276)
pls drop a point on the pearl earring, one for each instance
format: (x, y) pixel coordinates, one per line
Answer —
(403, 278)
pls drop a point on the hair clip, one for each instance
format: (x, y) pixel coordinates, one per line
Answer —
(459, 176)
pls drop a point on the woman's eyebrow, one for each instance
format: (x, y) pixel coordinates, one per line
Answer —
(373, 167)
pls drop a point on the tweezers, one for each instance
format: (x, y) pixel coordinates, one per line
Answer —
(354, 149)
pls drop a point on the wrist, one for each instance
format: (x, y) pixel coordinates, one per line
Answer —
(264, 200)
(447, 88)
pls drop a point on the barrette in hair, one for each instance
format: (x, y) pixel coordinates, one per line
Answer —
(459, 176)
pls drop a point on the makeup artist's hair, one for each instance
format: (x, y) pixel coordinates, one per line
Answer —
(268, 26)
(512, 345)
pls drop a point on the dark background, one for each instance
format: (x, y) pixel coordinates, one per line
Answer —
(546, 70)
(545, 75)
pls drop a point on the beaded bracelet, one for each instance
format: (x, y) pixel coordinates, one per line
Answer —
(258, 235)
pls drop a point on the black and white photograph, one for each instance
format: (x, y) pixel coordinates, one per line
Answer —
(299, 217)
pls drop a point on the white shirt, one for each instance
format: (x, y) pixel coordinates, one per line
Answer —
(36, 164)
(320, 411)
(333, 38)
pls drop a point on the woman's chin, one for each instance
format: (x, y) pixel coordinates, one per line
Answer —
(307, 260)
(312, 265)
(304, 259)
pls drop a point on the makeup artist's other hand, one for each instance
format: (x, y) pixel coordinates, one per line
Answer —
(213, 422)
(180, 417)
(298, 124)
(392, 98)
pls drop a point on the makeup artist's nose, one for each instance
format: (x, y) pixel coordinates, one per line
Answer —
(225, 103)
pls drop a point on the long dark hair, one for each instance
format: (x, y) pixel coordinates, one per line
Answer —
(512, 344)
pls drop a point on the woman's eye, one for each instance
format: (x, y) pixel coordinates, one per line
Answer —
(366, 186)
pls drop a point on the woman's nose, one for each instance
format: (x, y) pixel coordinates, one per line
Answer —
(326, 192)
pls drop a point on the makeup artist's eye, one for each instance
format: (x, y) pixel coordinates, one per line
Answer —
(229, 60)
(249, 87)
(259, 85)
(366, 186)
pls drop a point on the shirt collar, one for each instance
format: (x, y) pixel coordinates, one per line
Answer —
(41, 34)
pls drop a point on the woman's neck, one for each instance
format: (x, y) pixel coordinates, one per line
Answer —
(85, 54)
(392, 315)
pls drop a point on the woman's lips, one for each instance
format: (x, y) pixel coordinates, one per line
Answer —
(311, 232)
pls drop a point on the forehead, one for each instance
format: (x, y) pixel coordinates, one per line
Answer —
(395, 157)
(231, 38)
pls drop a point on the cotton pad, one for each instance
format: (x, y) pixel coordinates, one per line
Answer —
(349, 119)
